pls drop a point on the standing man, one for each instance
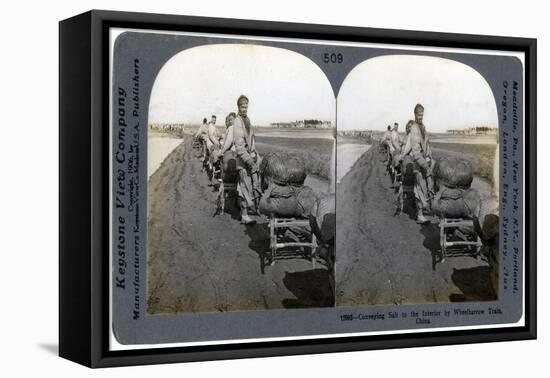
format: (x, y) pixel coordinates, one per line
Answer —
(248, 185)
(201, 134)
(405, 168)
(418, 147)
(387, 135)
(395, 139)
(213, 144)
(227, 144)
(227, 150)
(395, 150)
(386, 142)
(213, 139)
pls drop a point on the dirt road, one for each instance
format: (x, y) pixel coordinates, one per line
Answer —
(201, 263)
(387, 259)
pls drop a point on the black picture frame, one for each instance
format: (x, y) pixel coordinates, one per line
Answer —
(84, 188)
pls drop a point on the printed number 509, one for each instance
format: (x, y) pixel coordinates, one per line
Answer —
(333, 58)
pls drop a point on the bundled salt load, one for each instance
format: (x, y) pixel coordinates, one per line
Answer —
(283, 169)
(279, 201)
(306, 198)
(287, 201)
(324, 214)
(453, 173)
(457, 203)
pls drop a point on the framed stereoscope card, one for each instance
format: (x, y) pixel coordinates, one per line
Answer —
(233, 188)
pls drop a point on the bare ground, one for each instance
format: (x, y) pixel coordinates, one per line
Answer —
(201, 263)
(387, 259)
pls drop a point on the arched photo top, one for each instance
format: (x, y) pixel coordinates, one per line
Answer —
(282, 85)
(385, 89)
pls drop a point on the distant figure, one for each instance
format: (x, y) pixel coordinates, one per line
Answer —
(386, 140)
(406, 175)
(228, 139)
(213, 140)
(213, 137)
(213, 145)
(386, 137)
(201, 135)
(395, 151)
(394, 135)
(203, 129)
(408, 127)
(418, 147)
(395, 140)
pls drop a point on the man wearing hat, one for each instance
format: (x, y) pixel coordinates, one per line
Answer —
(418, 147)
(248, 185)
(386, 143)
(395, 150)
(202, 136)
(213, 137)
(395, 139)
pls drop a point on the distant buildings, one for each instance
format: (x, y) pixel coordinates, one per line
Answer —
(172, 128)
(303, 124)
(356, 133)
(477, 130)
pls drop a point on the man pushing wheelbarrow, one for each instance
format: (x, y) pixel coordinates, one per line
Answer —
(239, 144)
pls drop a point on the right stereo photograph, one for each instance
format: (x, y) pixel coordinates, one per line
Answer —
(417, 187)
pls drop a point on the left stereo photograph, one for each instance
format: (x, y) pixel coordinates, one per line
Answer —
(223, 179)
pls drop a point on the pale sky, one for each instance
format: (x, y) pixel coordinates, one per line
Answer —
(384, 90)
(282, 86)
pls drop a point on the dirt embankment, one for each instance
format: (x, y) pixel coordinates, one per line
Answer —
(387, 259)
(201, 263)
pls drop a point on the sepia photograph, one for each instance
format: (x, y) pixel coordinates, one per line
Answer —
(241, 182)
(417, 183)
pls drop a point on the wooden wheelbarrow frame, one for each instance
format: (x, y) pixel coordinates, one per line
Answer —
(456, 248)
(275, 224)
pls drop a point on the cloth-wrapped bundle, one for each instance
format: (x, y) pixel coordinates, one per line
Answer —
(306, 199)
(283, 169)
(287, 201)
(323, 214)
(454, 173)
(457, 203)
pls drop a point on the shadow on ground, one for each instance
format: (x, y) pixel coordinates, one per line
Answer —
(474, 283)
(431, 241)
(50, 348)
(310, 288)
(259, 241)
